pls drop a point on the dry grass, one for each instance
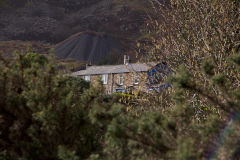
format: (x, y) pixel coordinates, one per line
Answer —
(9, 47)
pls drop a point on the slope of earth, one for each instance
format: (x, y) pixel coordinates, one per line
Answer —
(90, 47)
(8, 48)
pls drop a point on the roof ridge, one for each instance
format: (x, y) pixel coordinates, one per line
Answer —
(108, 69)
(120, 64)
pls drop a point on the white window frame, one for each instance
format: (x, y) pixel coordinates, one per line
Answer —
(105, 78)
(120, 79)
(87, 78)
(136, 79)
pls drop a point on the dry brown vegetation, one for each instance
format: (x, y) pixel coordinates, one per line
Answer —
(8, 47)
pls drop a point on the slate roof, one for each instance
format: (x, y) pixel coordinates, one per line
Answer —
(132, 67)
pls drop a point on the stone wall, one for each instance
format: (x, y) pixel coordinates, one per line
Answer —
(128, 81)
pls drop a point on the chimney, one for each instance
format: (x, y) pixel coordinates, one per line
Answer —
(126, 59)
(88, 64)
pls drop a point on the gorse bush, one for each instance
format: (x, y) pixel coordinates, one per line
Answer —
(43, 113)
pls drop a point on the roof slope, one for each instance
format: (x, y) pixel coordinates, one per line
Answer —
(133, 67)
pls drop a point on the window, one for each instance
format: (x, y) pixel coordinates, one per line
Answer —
(120, 79)
(104, 78)
(135, 79)
(87, 78)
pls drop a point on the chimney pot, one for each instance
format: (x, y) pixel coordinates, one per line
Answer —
(126, 59)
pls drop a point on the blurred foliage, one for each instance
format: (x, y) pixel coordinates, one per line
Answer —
(43, 114)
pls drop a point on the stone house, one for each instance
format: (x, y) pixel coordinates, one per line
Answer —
(124, 77)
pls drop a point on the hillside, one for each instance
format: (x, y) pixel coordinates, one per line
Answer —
(7, 48)
(54, 21)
